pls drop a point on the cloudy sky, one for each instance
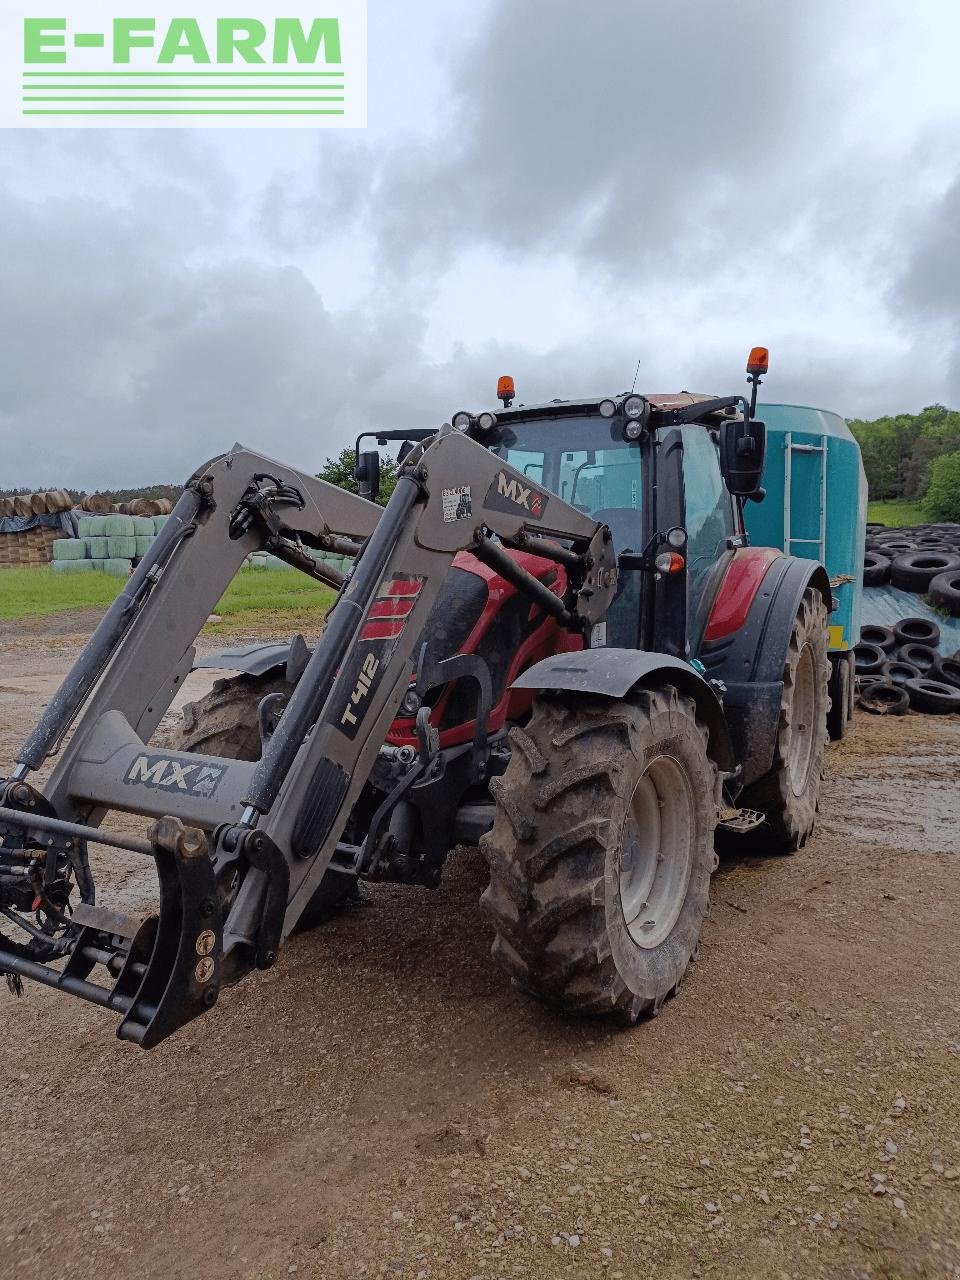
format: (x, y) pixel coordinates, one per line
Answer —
(547, 188)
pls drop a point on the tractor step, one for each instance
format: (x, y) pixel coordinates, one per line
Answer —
(740, 821)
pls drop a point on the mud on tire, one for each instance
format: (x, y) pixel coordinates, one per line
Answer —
(604, 804)
(789, 796)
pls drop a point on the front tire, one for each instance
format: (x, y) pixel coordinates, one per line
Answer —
(601, 851)
(225, 723)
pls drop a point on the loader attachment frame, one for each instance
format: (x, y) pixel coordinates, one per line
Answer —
(240, 848)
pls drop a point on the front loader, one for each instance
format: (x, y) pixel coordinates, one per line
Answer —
(554, 641)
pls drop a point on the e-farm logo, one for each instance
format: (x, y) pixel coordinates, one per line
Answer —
(110, 63)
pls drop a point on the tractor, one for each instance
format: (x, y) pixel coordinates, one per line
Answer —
(554, 641)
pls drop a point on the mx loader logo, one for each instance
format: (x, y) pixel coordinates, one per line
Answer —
(507, 493)
(163, 773)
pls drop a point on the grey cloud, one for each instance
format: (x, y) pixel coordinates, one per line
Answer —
(625, 134)
(926, 294)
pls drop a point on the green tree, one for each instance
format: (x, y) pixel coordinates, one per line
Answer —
(339, 471)
(898, 451)
(943, 495)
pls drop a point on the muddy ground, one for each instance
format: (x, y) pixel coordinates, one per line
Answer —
(384, 1103)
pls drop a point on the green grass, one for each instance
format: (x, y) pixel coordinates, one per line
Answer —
(895, 514)
(31, 593)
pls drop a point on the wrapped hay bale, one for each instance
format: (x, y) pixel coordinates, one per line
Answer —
(92, 527)
(118, 525)
(143, 525)
(70, 549)
(73, 566)
(158, 523)
(97, 548)
(118, 567)
(143, 541)
(121, 546)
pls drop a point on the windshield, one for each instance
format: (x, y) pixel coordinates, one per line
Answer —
(603, 481)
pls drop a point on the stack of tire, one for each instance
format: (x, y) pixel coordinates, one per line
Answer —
(106, 543)
(899, 668)
(924, 559)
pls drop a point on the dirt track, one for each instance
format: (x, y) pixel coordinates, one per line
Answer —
(383, 1103)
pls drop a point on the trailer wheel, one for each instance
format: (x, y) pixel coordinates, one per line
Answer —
(224, 723)
(840, 681)
(789, 796)
(601, 851)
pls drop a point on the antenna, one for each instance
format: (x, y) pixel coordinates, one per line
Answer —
(635, 377)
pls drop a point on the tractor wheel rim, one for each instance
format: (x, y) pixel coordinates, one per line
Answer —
(656, 852)
(802, 727)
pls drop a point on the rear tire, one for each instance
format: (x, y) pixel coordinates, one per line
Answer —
(789, 796)
(601, 851)
(225, 723)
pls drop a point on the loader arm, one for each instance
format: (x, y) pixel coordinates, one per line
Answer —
(241, 847)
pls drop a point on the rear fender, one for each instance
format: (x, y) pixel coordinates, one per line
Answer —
(614, 673)
(750, 661)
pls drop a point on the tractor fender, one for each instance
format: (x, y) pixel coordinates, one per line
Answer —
(261, 659)
(614, 673)
(750, 660)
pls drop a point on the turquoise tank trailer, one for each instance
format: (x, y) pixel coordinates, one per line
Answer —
(888, 646)
(815, 507)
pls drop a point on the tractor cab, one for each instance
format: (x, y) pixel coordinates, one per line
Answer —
(667, 473)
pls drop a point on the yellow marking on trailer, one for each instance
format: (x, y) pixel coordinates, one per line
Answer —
(835, 638)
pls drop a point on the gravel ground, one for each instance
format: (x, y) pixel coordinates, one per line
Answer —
(383, 1103)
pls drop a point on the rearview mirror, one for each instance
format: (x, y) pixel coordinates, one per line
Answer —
(367, 475)
(743, 447)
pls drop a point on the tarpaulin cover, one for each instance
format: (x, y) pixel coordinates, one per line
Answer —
(64, 520)
(886, 606)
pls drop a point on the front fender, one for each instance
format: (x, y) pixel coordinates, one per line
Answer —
(261, 659)
(613, 673)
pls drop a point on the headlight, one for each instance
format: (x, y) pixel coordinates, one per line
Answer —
(677, 538)
(487, 421)
(607, 408)
(411, 703)
(632, 430)
(633, 407)
(463, 420)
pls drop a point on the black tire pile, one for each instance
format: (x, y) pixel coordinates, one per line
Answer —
(901, 667)
(923, 558)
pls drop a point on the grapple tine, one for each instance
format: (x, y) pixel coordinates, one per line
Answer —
(182, 978)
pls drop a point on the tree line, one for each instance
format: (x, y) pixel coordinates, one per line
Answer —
(914, 456)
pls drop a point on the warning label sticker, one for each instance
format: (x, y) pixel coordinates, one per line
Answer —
(457, 503)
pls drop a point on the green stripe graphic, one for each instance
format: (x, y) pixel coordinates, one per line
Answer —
(179, 97)
(35, 111)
